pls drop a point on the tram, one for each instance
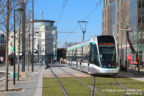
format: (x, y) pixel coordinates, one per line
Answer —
(98, 56)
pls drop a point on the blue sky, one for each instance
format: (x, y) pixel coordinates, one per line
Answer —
(66, 13)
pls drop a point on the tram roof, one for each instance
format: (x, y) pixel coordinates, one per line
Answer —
(79, 45)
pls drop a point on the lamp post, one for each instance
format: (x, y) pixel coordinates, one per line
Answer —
(23, 37)
(19, 9)
(83, 28)
(126, 29)
(32, 36)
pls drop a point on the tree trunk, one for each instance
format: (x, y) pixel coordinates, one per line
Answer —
(7, 32)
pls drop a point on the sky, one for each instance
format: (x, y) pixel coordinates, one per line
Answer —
(66, 13)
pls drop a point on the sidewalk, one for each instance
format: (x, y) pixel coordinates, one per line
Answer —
(31, 85)
(132, 75)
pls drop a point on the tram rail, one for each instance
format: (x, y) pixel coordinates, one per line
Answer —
(93, 87)
(60, 84)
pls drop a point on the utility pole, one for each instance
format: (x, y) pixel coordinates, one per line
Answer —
(126, 53)
(126, 28)
(83, 28)
(19, 52)
(138, 52)
(7, 32)
(14, 52)
(32, 36)
(29, 45)
(23, 37)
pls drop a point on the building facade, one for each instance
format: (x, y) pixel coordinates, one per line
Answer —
(45, 39)
(106, 17)
(121, 13)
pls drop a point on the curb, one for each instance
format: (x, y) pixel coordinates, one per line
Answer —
(38, 91)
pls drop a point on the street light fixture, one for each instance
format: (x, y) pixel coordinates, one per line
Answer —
(126, 29)
(19, 9)
(83, 28)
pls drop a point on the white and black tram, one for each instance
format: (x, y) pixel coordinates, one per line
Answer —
(98, 56)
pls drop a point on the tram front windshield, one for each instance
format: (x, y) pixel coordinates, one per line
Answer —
(107, 56)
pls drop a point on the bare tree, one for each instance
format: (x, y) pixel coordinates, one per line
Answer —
(7, 32)
(7, 7)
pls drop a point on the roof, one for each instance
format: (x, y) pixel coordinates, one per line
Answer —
(51, 21)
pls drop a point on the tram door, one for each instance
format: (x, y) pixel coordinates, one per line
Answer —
(90, 54)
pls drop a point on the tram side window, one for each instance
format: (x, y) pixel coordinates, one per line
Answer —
(94, 55)
(79, 54)
(86, 50)
(74, 55)
(70, 55)
(67, 55)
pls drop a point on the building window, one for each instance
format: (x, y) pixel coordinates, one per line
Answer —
(117, 28)
(118, 17)
(117, 3)
(105, 13)
(142, 19)
(139, 35)
(142, 3)
(142, 35)
(139, 3)
(139, 19)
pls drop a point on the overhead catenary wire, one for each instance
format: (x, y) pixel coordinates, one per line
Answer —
(90, 13)
(62, 11)
(93, 10)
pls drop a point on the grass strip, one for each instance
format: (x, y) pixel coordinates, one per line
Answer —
(134, 86)
(105, 85)
(51, 87)
(74, 87)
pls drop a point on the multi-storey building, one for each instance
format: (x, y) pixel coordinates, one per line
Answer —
(106, 20)
(121, 13)
(45, 41)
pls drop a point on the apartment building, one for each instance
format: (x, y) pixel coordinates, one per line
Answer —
(120, 13)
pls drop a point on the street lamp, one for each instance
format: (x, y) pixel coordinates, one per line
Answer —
(83, 28)
(127, 29)
(19, 9)
(32, 36)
